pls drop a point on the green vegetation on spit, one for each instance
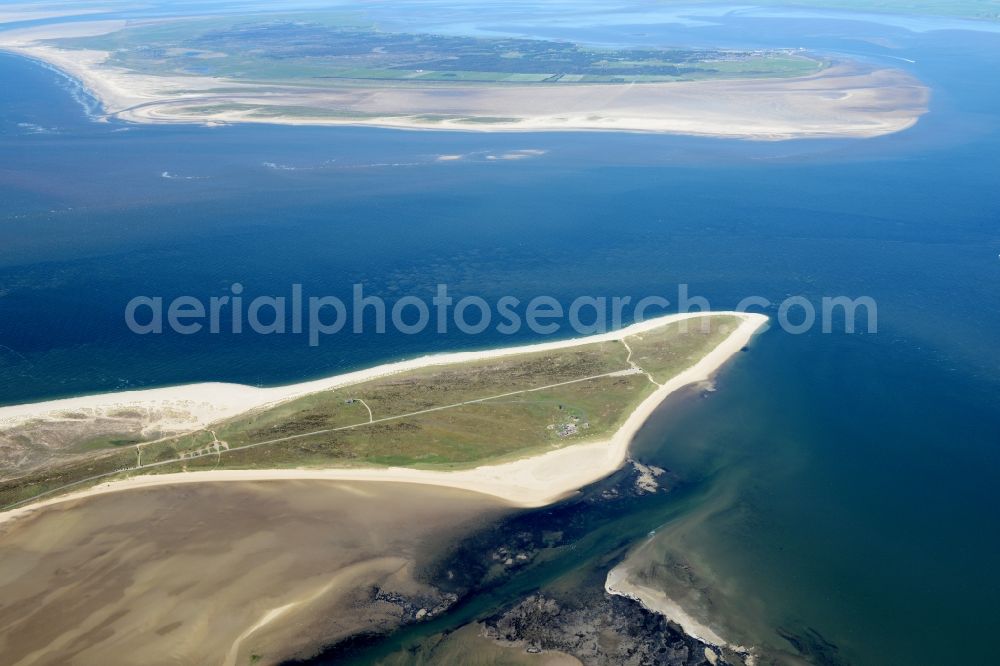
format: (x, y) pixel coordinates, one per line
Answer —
(440, 417)
(322, 51)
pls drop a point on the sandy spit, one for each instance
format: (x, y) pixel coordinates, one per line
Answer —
(528, 482)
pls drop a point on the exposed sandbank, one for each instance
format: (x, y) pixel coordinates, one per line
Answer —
(657, 601)
(216, 573)
(846, 101)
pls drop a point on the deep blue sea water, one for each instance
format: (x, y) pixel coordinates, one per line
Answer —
(851, 479)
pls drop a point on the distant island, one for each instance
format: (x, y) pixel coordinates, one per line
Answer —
(324, 69)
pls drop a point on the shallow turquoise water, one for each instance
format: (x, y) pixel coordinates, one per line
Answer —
(849, 499)
(852, 478)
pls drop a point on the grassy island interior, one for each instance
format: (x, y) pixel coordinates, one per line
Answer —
(438, 417)
(333, 49)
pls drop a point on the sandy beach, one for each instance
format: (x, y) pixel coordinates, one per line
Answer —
(527, 482)
(845, 100)
(655, 600)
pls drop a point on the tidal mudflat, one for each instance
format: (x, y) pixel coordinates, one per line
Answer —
(224, 573)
